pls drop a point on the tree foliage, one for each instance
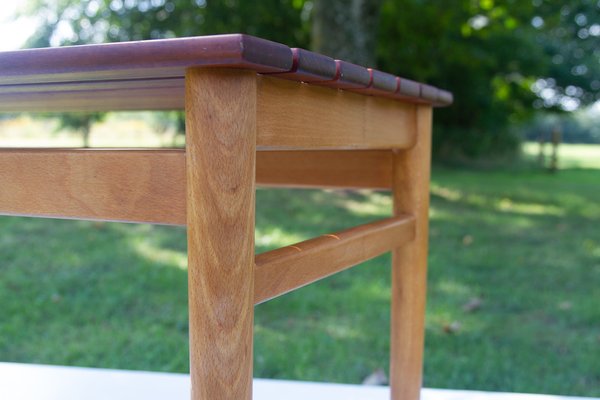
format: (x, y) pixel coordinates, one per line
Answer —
(67, 22)
(80, 122)
(502, 59)
(497, 57)
(346, 29)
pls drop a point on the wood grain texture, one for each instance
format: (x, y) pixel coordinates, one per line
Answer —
(409, 264)
(346, 169)
(221, 149)
(320, 118)
(149, 185)
(282, 270)
(108, 185)
(317, 118)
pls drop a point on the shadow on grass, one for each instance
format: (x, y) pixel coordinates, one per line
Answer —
(79, 293)
(114, 295)
(527, 247)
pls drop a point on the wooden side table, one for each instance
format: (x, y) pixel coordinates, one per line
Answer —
(257, 113)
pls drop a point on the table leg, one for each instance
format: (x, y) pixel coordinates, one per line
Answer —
(409, 264)
(220, 109)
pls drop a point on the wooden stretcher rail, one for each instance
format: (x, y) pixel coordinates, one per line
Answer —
(149, 185)
(283, 270)
(106, 185)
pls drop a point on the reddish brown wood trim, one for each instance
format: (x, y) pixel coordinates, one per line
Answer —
(93, 69)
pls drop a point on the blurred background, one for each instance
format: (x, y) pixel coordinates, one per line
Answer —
(514, 298)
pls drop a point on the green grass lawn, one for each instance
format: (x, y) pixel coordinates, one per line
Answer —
(523, 243)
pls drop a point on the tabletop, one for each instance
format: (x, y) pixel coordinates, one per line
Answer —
(150, 74)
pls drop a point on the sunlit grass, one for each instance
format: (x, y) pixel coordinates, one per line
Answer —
(522, 241)
(378, 204)
(131, 129)
(275, 237)
(569, 155)
(160, 255)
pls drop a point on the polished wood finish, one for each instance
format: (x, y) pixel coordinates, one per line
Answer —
(285, 269)
(348, 76)
(41, 79)
(149, 185)
(108, 185)
(142, 60)
(310, 67)
(352, 169)
(221, 148)
(320, 118)
(248, 95)
(409, 264)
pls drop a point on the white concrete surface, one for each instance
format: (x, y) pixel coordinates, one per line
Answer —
(44, 382)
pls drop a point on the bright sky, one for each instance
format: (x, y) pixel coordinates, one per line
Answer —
(13, 32)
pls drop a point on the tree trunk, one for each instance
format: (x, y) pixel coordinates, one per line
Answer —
(85, 131)
(346, 29)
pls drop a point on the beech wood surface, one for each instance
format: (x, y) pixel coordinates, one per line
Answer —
(409, 264)
(321, 118)
(292, 115)
(231, 111)
(221, 150)
(282, 270)
(106, 185)
(344, 169)
(149, 185)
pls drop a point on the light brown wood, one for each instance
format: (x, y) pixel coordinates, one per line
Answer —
(282, 270)
(293, 115)
(108, 185)
(149, 185)
(303, 116)
(371, 169)
(409, 264)
(221, 150)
